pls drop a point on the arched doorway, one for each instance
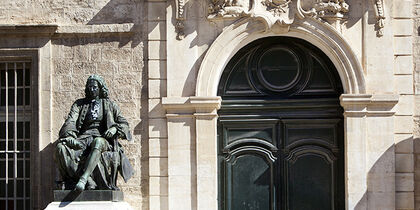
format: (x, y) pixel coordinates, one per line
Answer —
(280, 128)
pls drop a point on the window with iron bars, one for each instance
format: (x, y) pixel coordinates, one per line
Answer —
(15, 134)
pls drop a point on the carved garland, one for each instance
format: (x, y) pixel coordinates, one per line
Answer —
(380, 17)
(180, 18)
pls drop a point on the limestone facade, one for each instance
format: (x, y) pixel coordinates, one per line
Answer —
(162, 60)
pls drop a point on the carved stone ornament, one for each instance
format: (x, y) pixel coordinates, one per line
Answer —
(180, 18)
(278, 15)
(380, 17)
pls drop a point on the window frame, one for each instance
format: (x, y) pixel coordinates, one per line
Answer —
(32, 56)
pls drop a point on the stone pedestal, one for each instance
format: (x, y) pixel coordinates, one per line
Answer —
(90, 199)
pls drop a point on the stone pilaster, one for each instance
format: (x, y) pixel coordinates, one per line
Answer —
(369, 156)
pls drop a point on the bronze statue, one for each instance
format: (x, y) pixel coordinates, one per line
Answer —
(88, 153)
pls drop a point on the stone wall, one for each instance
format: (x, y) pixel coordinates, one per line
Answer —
(121, 64)
(105, 37)
(416, 132)
(67, 12)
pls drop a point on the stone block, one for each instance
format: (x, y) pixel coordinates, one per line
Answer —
(157, 69)
(156, 11)
(403, 64)
(81, 53)
(403, 45)
(403, 124)
(404, 163)
(402, 9)
(404, 143)
(158, 128)
(416, 143)
(95, 54)
(84, 68)
(181, 189)
(120, 54)
(106, 68)
(62, 67)
(404, 182)
(404, 84)
(404, 200)
(157, 49)
(158, 186)
(156, 109)
(158, 166)
(402, 27)
(159, 203)
(381, 200)
(66, 52)
(158, 147)
(417, 102)
(405, 105)
(157, 30)
(157, 88)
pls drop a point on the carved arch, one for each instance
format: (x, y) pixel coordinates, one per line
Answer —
(244, 31)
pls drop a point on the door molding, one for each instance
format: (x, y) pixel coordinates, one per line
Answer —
(365, 117)
(245, 31)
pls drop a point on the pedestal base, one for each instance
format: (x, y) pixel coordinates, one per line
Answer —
(88, 205)
(88, 195)
(88, 200)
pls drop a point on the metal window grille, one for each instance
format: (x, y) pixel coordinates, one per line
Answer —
(15, 135)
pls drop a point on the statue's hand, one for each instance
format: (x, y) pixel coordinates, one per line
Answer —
(110, 132)
(73, 143)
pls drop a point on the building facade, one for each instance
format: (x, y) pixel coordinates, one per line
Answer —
(246, 104)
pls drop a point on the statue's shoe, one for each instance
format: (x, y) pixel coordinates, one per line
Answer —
(80, 186)
(91, 185)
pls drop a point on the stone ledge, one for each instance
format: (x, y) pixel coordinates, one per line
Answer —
(56, 30)
(88, 195)
(25, 30)
(94, 29)
(78, 205)
(366, 104)
(194, 104)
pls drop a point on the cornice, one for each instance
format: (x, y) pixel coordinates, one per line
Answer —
(366, 104)
(28, 30)
(50, 30)
(199, 106)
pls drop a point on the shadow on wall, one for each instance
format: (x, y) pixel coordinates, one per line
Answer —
(44, 177)
(380, 193)
(123, 11)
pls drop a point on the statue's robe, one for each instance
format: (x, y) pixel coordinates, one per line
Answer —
(71, 161)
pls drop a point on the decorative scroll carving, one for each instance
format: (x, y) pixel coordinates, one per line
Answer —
(180, 18)
(278, 15)
(380, 17)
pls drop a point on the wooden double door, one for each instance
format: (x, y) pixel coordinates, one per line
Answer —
(280, 129)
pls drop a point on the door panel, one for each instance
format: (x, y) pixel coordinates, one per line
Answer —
(323, 132)
(310, 182)
(251, 185)
(280, 129)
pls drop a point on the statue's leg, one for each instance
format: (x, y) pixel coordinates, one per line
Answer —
(65, 163)
(97, 146)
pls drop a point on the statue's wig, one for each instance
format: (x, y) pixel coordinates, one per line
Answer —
(103, 90)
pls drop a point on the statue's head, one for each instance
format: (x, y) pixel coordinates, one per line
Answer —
(95, 86)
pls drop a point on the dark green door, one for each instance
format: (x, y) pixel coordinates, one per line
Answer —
(280, 129)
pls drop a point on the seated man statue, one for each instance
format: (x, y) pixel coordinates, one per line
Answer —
(88, 154)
